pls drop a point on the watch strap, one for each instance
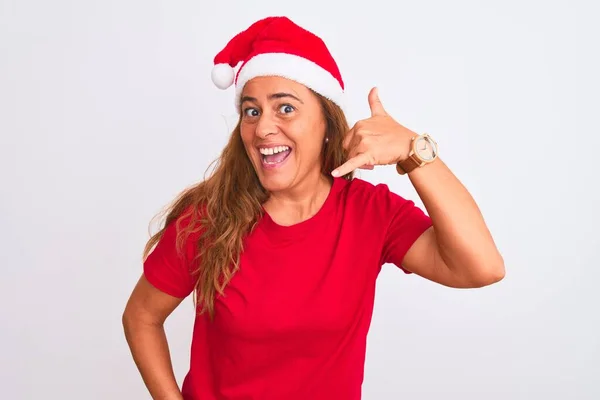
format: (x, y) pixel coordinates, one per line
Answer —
(407, 165)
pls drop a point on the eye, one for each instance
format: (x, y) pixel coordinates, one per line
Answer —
(286, 109)
(251, 112)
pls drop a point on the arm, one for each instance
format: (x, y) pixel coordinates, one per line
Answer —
(143, 320)
(458, 251)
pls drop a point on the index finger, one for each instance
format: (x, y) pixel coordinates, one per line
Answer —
(351, 165)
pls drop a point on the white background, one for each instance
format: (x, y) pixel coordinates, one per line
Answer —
(107, 111)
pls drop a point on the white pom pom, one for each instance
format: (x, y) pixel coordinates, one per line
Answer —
(222, 76)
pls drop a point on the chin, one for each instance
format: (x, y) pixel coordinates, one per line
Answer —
(275, 182)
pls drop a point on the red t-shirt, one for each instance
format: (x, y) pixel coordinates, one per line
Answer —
(294, 321)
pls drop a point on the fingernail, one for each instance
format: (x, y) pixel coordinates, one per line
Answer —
(335, 173)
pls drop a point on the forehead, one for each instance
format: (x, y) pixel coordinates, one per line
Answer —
(263, 86)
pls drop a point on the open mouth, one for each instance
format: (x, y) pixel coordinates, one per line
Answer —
(274, 156)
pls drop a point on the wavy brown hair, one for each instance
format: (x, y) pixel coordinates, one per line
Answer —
(225, 207)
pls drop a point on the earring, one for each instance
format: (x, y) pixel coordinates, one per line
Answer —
(326, 140)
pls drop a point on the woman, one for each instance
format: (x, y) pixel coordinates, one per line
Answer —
(281, 247)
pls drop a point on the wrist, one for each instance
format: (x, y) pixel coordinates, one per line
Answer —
(406, 148)
(422, 150)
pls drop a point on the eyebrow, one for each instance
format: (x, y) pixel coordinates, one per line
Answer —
(279, 95)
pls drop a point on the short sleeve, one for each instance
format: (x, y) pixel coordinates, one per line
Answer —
(406, 223)
(169, 270)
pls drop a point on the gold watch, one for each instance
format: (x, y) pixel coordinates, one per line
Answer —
(423, 150)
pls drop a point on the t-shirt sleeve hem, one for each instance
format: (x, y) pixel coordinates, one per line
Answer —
(421, 225)
(164, 287)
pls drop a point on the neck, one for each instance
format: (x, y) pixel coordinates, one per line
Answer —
(299, 203)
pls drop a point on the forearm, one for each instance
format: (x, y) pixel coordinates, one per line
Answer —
(150, 351)
(464, 241)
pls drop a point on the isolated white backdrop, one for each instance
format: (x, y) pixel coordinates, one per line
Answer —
(107, 111)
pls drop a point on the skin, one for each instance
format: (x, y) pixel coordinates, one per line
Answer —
(277, 111)
(143, 323)
(457, 251)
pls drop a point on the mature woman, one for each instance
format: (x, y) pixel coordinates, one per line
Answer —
(281, 246)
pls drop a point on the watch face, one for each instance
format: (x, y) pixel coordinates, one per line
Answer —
(426, 148)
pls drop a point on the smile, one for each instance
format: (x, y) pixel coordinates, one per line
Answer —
(272, 157)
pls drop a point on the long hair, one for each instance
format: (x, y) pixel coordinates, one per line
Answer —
(225, 207)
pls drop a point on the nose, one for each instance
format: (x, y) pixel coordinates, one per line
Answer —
(266, 126)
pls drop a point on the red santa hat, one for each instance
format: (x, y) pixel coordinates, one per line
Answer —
(276, 46)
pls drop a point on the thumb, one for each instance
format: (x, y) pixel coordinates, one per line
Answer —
(375, 103)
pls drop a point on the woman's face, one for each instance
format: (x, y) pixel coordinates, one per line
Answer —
(283, 130)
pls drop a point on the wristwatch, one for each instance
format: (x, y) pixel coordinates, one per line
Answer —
(423, 150)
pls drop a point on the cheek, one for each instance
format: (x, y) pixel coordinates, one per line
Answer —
(316, 140)
(309, 138)
(244, 132)
(247, 136)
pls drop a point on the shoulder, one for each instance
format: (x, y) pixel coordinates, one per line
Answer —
(365, 193)
(182, 231)
(377, 203)
(171, 264)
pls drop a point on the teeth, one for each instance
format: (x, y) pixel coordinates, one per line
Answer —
(273, 150)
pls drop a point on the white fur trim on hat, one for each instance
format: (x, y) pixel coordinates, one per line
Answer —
(292, 67)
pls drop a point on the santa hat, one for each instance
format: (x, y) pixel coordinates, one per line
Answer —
(276, 46)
